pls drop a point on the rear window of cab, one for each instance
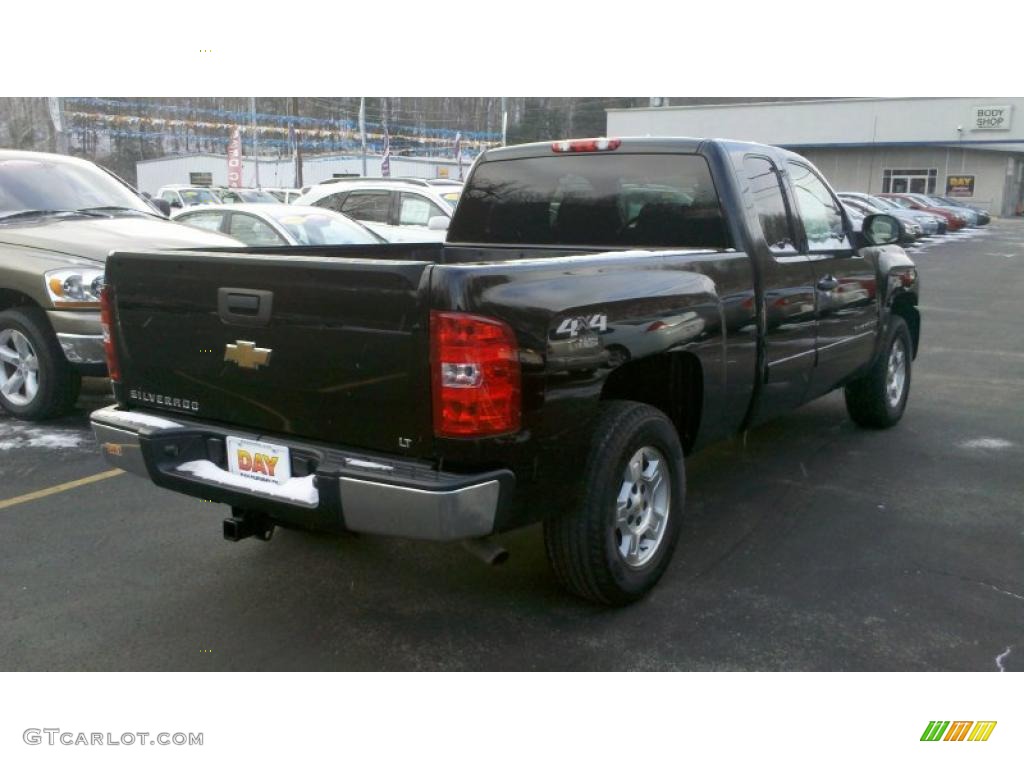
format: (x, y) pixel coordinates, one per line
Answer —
(592, 200)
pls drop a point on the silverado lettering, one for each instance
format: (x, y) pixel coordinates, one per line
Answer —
(165, 400)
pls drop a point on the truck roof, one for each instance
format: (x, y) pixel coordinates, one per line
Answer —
(643, 144)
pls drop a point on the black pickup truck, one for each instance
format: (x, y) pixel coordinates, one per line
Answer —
(600, 309)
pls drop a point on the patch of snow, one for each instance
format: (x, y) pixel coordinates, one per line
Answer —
(18, 436)
(1001, 656)
(297, 489)
(140, 419)
(996, 443)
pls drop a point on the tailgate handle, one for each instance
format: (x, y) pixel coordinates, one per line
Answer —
(243, 306)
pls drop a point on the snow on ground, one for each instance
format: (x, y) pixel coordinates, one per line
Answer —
(951, 237)
(15, 436)
(996, 443)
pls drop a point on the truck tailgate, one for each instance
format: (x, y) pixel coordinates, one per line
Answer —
(325, 347)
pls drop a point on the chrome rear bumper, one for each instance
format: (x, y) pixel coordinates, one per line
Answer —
(342, 488)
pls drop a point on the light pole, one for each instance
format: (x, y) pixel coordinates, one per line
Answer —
(504, 121)
(255, 141)
(362, 129)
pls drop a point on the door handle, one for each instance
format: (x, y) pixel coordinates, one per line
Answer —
(242, 306)
(828, 283)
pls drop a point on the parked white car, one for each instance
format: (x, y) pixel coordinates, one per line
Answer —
(399, 210)
(270, 224)
(185, 196)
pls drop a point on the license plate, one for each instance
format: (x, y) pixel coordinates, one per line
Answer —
(259, 460)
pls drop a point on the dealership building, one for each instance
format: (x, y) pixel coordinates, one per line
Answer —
(968, 148)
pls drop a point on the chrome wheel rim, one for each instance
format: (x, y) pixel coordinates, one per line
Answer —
(19, 368)
(642, 507)
(896, 373)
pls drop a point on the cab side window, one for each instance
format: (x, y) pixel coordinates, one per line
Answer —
(332, 202)
(770, 203)
(819, 211)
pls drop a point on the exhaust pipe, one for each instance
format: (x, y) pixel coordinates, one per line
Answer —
(487, 549)
(241, 526)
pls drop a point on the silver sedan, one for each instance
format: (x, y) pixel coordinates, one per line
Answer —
(271, 224)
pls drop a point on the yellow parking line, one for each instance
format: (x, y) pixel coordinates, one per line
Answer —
(60, 488)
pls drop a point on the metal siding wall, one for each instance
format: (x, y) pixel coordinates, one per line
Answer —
(153, 174)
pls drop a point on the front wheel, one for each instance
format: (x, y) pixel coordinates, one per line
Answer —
(36, 381)
(879, 398)
(615, 546)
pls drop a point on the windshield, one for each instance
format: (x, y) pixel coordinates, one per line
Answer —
(44, 184)
(198, 196)
(592, 200)
(897, 202)
(325, 228)
(451, 197)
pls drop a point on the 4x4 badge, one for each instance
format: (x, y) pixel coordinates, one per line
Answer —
(247, 355)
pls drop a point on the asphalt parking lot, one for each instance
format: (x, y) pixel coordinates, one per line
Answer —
(809, 544)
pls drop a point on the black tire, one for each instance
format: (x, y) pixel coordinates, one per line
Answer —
(58, 381)
(868, 398)
(583, 542)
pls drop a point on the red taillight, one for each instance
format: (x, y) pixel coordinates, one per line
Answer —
(107, 322)
(475, 374)
(586, 145)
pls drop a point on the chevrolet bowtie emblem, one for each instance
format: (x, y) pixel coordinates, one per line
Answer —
(246, 355)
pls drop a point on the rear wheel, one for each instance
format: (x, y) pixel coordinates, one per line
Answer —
(36, 381)
(878, 399)
(615, 546)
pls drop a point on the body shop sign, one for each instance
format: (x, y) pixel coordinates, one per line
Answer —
(995, 118)
(960, 186)
(235, 159)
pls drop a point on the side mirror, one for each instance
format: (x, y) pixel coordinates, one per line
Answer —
(161, 205)
(175, 204)
(438, 222)
(882, 229)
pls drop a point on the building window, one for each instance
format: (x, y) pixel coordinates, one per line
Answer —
(916, 180)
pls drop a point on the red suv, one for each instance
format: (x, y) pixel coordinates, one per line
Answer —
(953, 220)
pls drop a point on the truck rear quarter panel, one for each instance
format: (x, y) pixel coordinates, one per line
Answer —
(578, 318)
